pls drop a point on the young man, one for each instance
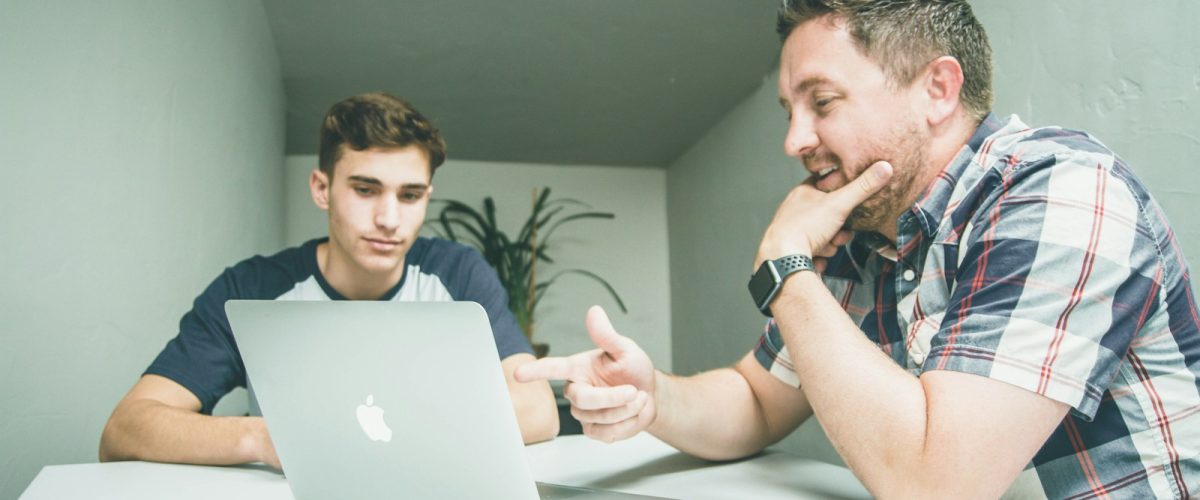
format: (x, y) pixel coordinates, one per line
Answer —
(376, 162)
(1010, 313)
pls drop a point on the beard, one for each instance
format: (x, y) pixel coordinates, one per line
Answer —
(907, 154)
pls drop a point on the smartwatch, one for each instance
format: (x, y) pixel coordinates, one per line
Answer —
(767, 281)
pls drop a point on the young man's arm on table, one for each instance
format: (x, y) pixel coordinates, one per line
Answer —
(160, 421)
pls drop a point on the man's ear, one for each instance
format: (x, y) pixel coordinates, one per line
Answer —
(943, 83)
(318, 183)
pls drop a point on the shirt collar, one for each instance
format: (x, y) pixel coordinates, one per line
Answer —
(851, 260)
(930, 208)
(927, 213)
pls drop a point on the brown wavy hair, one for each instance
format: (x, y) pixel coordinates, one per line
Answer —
(377, 120)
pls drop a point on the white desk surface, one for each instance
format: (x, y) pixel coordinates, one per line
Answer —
(642, 464)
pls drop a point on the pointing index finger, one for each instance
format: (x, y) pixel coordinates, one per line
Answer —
(545, 369)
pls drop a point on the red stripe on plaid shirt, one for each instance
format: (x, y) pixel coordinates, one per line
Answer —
(919, 317)
(980, 271)
(1112, 486)
(1089, 263)
(1085, 459)
(883, 340)
(1151, 297)
(1164, 423)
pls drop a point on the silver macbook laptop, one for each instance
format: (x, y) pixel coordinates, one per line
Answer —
(386, 400)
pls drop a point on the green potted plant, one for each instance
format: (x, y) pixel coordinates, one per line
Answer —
(516, 259)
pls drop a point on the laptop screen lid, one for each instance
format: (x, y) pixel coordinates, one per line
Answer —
(383, 399)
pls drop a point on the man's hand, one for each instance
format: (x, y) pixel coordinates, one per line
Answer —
(611, 389)
(810, 222)
(821, 257)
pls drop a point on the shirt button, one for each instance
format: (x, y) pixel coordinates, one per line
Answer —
(909, 275)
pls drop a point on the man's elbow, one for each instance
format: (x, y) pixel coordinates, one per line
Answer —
(544, 432)
(109, 451)
(725, 452)
(539, 421)
(118, 440)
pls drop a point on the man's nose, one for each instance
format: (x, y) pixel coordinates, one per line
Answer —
(387, 214)
(801, 136)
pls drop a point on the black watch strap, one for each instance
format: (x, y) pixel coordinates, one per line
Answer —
(767, 281)
(789, 264)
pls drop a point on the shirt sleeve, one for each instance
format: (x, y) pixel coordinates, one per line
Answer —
(1056, 275)
(773, 356)
(482, 285)
(203, 357)
(771, 352)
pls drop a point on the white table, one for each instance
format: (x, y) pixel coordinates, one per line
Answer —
(640, 465)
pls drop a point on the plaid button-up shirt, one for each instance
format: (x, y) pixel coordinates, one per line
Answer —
(1038, 259)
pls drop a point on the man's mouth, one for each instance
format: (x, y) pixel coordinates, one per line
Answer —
(382, 244)
(826, 171)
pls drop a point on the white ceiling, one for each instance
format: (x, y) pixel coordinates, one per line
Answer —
(587, 82)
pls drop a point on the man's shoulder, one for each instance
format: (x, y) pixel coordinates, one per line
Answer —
(265, 277)
(1017, 158)
(429, 253)
(1017, 145)
(457, 266)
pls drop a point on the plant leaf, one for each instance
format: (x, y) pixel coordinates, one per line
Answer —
(569, 218)
(543, 286)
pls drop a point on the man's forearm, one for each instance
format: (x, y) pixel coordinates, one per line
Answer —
(945, 434)
(872, 410)
(537, 413)
(712, 415)
(533, 402)
(150, 430)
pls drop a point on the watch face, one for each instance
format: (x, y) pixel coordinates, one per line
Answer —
(763, 284)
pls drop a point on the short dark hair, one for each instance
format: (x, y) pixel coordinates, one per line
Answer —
(902, 36)
(377, 120)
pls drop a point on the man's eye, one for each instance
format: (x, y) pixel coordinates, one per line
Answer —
(823, 105)
(365, 191)
(411, 196)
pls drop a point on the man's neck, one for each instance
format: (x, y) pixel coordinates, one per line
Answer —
(351, 281)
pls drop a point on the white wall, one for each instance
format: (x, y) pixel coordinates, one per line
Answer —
(630, 251)
(1129, 75)
(142, 152)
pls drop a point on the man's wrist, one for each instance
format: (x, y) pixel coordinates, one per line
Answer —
(767, 282)
(661, 381)
(794, 288)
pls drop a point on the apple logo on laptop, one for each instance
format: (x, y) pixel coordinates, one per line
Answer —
(370, 418)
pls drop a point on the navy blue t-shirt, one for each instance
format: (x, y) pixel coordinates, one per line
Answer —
(204, 357)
